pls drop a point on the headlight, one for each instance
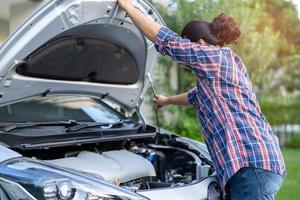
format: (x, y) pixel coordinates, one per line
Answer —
(70, 190)
(11, 190)
(45, 182)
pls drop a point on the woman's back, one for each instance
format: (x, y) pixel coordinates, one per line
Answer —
(233, 125)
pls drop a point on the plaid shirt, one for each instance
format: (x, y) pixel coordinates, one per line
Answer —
(235, 130)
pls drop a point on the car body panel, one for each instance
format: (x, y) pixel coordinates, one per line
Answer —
(21, 167)
(99, 19)
(39, 173)
(7, 154)
(64, 22)
(197, 191)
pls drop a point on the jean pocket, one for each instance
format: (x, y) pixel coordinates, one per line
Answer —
(270, 182)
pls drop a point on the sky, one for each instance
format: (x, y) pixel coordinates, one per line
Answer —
(297, 2)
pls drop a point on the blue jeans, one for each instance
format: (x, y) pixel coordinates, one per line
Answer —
(252, 183)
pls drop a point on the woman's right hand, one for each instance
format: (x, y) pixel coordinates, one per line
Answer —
(160, 101)
(124, 3)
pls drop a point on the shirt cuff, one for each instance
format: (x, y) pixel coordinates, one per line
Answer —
(192, 96)
(163, 36)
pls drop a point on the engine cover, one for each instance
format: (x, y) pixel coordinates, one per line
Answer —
(114, 166)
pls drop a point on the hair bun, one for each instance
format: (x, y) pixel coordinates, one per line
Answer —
(225, 29)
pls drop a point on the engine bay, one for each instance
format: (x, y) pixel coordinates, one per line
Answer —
(134, 165)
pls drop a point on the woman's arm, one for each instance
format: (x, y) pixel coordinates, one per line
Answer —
(180, 100)
(149, 27)
(204, 59)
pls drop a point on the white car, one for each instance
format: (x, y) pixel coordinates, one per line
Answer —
(60, 136)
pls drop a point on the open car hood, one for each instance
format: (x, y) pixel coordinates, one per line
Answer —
(88, 47)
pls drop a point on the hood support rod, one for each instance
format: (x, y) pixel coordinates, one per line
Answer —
(155, 95)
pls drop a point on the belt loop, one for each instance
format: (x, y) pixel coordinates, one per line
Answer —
(258, 179)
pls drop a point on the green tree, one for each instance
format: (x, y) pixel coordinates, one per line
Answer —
(268, 46)
(286, 22)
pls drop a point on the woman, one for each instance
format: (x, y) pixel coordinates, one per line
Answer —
(243, 147)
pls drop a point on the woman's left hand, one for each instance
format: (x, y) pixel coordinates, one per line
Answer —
(160, 101)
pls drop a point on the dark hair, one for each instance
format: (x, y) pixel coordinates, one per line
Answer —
(222, 30)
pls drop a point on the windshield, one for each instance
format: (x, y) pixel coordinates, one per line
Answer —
(59, 108)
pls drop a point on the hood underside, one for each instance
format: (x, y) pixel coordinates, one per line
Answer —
(78, 59)
(88, 54)
(86, 47)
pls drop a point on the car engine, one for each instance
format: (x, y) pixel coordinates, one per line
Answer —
(114, 166)
(138, 166)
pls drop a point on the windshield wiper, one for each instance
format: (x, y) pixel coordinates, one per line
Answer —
(107, 125)
(34, 124)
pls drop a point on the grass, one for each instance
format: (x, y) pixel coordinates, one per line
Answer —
(291, 186)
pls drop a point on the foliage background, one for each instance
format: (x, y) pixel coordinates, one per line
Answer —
(269, 46)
